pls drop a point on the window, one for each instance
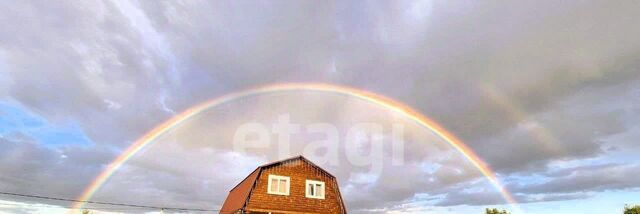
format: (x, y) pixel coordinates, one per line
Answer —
(278, 185)
(315, 189)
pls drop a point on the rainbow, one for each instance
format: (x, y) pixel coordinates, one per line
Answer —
(392, 105)
(515, 112)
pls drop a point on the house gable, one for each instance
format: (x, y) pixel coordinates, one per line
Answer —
(251, 195)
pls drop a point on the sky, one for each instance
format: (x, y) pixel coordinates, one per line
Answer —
(547, 93)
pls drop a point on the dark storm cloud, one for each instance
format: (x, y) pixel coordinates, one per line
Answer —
(119, 68)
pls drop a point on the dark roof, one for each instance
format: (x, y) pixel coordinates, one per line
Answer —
(239, 195)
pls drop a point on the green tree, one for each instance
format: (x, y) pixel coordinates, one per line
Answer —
(632, 209)
(496, 211)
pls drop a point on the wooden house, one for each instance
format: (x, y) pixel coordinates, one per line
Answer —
(291, 186)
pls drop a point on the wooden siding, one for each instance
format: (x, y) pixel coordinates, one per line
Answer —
(296, 202)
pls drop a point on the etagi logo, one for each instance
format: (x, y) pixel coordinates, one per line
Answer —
(363, 143)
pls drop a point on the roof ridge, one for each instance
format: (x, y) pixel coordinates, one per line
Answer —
(301, 158)
(261, 167)
(280, 161)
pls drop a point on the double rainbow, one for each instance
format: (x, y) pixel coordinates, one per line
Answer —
(392, 105)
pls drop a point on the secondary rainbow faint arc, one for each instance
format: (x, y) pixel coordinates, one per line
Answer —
(380, 100)
(515, 112)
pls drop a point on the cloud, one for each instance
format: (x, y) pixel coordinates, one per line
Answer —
(601, 178)
(476, 198)
(31, 168)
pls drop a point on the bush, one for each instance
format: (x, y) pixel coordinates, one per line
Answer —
(496, 211)
(632, 209)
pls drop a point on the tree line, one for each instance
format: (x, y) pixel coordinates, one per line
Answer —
(627, 210)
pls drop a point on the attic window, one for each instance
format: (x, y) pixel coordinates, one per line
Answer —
(278, 185)
(315, 189)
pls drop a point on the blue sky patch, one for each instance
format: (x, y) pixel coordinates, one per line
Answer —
(15, 119)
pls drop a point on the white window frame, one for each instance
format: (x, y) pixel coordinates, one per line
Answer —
(278, 177)
(306, 189)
